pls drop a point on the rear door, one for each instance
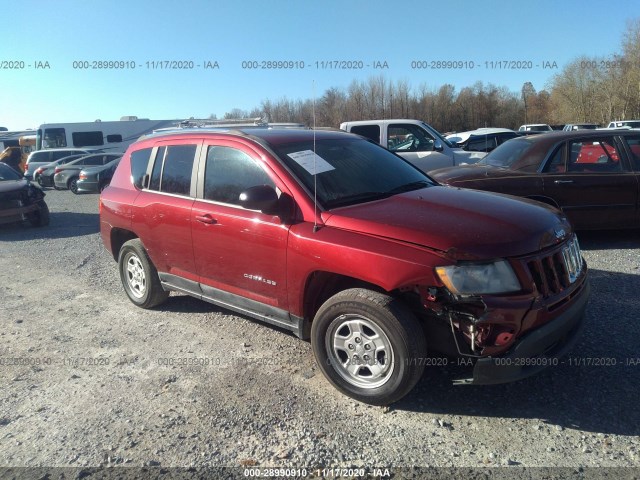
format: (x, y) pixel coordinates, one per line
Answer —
(162, 211)
(592, 181)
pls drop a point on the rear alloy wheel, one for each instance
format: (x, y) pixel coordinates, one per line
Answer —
(139, 276)
(369, 345)
(73, 185)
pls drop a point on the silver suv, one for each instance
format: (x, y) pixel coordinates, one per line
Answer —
(42, 157)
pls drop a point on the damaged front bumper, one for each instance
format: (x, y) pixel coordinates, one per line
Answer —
(535, 351)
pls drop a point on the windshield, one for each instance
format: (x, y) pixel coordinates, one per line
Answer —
(350, 170)
(508, 153)
(8, 173)
(438, 135)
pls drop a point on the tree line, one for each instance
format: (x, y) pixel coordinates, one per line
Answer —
(588, 89)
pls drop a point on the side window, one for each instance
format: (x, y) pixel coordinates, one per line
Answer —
(177, 169)
(600, 156)
(94, 160)
(154, 184)
(56, 156)
(369, 131)
(634, 147)
(54, 138)
(229, 172)
(85, 139)
(556, 162)
(139, 163)
(409, 138)
(481, 144)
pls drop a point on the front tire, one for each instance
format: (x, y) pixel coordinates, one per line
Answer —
(368, 345)
(40, 217)
(139, 276)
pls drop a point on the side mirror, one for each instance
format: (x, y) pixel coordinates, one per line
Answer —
(260, 197)
(437, 146)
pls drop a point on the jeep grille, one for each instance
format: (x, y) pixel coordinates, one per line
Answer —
(556, 271)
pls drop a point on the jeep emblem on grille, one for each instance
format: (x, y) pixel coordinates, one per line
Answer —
(559, 232)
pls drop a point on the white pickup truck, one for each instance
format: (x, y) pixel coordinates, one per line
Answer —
(415, 141)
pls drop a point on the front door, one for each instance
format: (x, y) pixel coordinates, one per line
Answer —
(237, 251)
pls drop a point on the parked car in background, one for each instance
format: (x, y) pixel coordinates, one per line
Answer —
(96, 179)
(12, 156)
(580, 126)
(624, 124)
(593, 176)
(20, 200)
(335, 238)
(43, 175)
(42, 157)
(413, 140)
(481, 139)
(535, 127)
(66, 176)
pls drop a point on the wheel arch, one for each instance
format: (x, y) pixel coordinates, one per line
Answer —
(322, 285)
(119, 237)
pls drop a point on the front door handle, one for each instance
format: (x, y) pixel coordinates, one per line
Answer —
(206, 218)
(558, 182)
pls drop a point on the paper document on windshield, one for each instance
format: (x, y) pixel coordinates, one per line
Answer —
(311, 162)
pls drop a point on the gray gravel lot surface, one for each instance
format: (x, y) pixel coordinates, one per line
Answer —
(88, 379)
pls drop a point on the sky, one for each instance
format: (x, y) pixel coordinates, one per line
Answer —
(52, 54)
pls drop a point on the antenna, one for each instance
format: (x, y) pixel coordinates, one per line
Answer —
(315, 170)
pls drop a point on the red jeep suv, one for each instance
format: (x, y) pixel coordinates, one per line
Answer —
(341, 241)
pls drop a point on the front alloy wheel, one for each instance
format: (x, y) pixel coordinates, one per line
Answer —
(360, 351)
(369, 345)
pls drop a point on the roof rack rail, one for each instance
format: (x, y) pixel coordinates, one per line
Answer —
(225, 122)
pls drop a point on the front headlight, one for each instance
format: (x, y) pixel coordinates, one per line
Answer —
(487, 278)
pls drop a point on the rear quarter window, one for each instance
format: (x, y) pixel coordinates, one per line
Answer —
(139, 164)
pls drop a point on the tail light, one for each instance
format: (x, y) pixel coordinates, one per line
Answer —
(83, 176)
(57, 170)
(40, 170)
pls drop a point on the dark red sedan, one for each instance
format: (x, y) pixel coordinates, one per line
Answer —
(591, 175)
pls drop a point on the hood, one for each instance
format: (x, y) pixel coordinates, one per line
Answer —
(7, 186)
(458, 175)
(466, 224)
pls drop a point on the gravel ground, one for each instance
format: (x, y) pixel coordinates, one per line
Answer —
(89, 380)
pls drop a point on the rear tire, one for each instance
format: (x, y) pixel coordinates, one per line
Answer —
(139, 276)
(73, 185)
(369, 345)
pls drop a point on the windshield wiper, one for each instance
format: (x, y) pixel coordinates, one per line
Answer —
(407, 187)
(357, 198)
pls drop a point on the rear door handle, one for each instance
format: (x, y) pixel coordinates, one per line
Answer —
(558, 182)
(206, 218)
